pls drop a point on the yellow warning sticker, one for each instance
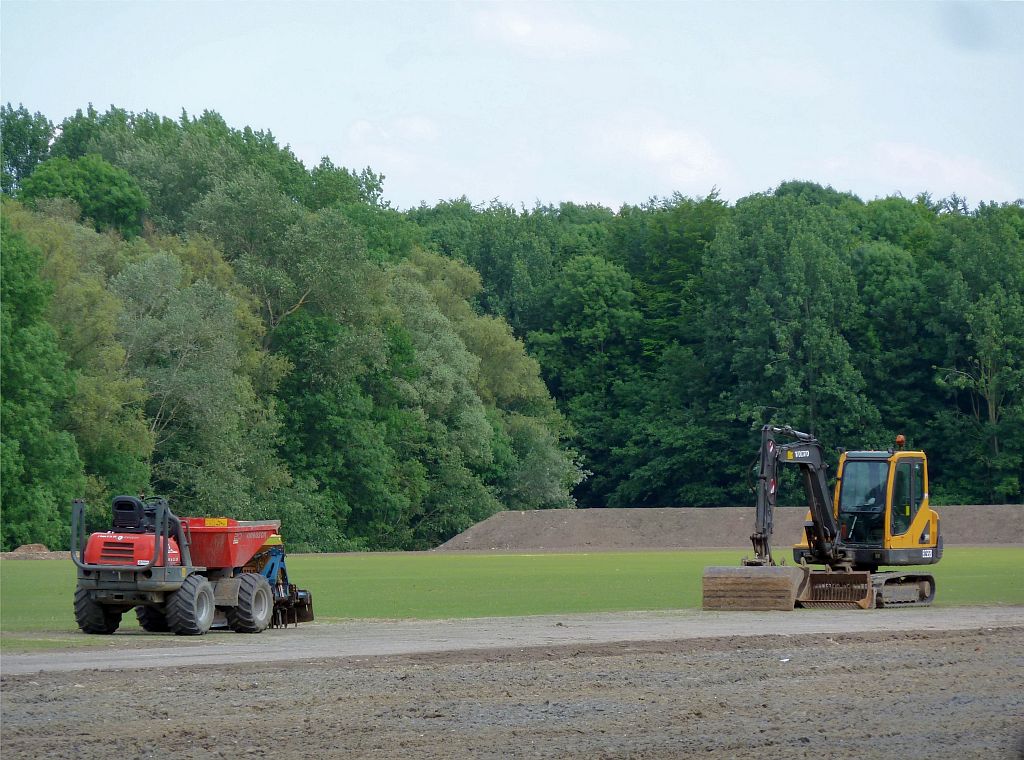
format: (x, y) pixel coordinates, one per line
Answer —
(216, 522)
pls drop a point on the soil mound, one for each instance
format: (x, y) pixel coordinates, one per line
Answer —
(33, 551)
(576, 530)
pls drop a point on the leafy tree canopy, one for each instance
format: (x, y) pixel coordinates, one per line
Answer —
(108, 196)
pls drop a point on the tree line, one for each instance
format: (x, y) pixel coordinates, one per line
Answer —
(188, 310)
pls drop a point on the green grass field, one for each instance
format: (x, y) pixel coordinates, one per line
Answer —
(36, 596)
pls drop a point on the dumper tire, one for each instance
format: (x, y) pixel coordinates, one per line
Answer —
(93, 617)
(191, 608)
(255, 606)
(152, 619)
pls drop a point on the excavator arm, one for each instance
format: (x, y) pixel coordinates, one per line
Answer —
(805, 452)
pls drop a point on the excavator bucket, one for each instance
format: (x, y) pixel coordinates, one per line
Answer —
(838, 590)
(756, 587)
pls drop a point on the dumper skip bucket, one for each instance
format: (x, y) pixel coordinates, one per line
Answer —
(223, 542)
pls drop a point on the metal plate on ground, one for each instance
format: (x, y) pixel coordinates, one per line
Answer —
(751, 588)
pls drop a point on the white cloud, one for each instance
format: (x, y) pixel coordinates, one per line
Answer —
(399, 148)
(415, 155)
(791, 78)
(683, 158)
(362, 132)
(403, 129)
(416, 129)
(544, 31)
(909, 168)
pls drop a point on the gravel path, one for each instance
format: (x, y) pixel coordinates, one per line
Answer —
(136, 649)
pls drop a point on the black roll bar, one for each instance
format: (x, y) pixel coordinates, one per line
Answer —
(163, 523)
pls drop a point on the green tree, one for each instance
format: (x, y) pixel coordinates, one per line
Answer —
(530, 468)
(892, 348)
(340, 431)
(781, 295)
(175, 163)
(26, 143)
(213, 438)
(40, 470)
(438, 387)
(667, 455)
(910, 225)
(515, 253)
(105, 412)
(662, 246)
(108, 196)
(288, 257)
(982, 324)
(77, 132)
(589, 359)
(594, 319)
(336, 186)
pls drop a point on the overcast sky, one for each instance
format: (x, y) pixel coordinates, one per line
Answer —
(603, 102)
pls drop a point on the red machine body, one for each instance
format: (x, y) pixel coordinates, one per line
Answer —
(110, 548)
(226, 542)
(215, 542)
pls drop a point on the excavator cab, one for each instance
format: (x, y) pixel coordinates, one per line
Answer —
(881, 500)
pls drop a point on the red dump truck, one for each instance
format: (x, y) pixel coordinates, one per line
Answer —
(182, 574)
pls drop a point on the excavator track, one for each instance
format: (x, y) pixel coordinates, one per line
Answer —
(896, 589)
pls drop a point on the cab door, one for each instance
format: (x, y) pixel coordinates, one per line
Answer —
(908, 493)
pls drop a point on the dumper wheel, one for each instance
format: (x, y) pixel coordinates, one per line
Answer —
(93, 617)
(255, 604)
(190, 609)
(151, 619)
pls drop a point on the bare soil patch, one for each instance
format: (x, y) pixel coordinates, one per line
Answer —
(865, 695)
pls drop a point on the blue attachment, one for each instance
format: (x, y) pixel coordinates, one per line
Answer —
(275, 565)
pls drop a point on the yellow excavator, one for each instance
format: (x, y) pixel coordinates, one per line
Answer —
(878, 516)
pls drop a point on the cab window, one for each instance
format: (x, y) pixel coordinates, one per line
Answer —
(907, 495)
(862, 501)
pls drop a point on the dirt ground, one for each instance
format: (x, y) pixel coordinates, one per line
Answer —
(866, 695)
